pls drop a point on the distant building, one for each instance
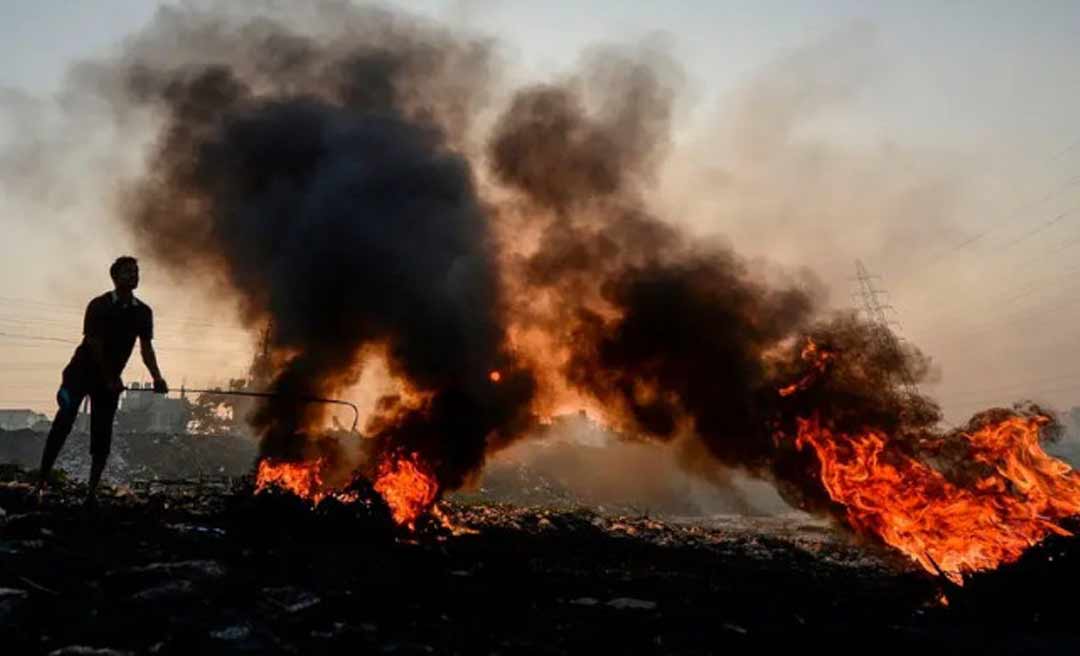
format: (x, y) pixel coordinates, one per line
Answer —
(146, 412)
(20, 419)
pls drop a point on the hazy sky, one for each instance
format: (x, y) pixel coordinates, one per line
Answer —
(937, 141)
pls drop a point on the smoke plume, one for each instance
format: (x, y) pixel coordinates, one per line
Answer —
(665, 334)
(331, 184)
(319, 184)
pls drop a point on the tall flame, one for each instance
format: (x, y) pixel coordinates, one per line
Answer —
(407, 486)
(949, 529)
(304, 479)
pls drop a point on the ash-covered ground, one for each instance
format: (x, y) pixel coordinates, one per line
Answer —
(201, 565)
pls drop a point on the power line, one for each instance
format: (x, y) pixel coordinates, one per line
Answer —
(57, 342)
(1061, 247)
(163, 335)
(1042, 226)
(1008, 218)
(1030, 395)
(76, 310)
(10, 401)
(1045, 225)
(1024, 314)
(1040, 281)
(1061, 153)
(38, 338)
(970, 394)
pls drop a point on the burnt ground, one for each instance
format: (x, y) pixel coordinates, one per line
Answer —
(209, 568)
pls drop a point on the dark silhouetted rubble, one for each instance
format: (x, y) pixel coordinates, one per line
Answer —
(212, 568)
(139, 457)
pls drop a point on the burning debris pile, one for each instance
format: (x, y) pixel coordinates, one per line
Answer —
(197, 570)
(404, 484)
(1015, 496)
(333, 175)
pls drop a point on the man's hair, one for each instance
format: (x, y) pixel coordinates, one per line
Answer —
(121, 262)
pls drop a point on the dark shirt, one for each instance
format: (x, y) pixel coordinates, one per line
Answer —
(117, 325)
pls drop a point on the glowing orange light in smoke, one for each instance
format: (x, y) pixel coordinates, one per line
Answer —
(819, 358)
(1019, 500)
(408, 488)
(495, 376)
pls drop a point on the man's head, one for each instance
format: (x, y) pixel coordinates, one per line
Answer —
(125, 273)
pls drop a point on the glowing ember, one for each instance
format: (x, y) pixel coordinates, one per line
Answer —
(448, 524)
(819, 358)
(346, 497)
(495, 376)
(949, 529)
(304, 479)
(408, 488)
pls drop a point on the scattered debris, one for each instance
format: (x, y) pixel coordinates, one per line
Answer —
(232, 633)
(200, 568)
(290, 599)
(12, 600)
(622, 603)
(80, 650)
(39, 588)
(171, 592)
(187, 569)
(585, 601)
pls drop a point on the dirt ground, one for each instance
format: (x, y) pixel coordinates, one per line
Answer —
(209, 568)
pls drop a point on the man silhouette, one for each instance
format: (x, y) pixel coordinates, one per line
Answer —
(113, 321)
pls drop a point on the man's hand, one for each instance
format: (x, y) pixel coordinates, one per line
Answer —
(160, 386)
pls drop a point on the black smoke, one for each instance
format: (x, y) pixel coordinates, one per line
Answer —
(332, 186)
(669, 335)
(335, 206)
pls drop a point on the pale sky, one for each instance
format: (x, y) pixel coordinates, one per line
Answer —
(958, 112)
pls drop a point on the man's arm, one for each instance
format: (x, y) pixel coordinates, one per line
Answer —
(149, 357)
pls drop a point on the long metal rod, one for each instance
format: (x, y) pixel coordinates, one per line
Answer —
(265, 395)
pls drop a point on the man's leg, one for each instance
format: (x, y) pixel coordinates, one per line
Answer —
(68, 398)
(102, 412)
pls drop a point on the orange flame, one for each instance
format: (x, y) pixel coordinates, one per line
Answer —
(948, 529)
(495, 376)
(819, 358)
(304, 479)
(408, 488)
